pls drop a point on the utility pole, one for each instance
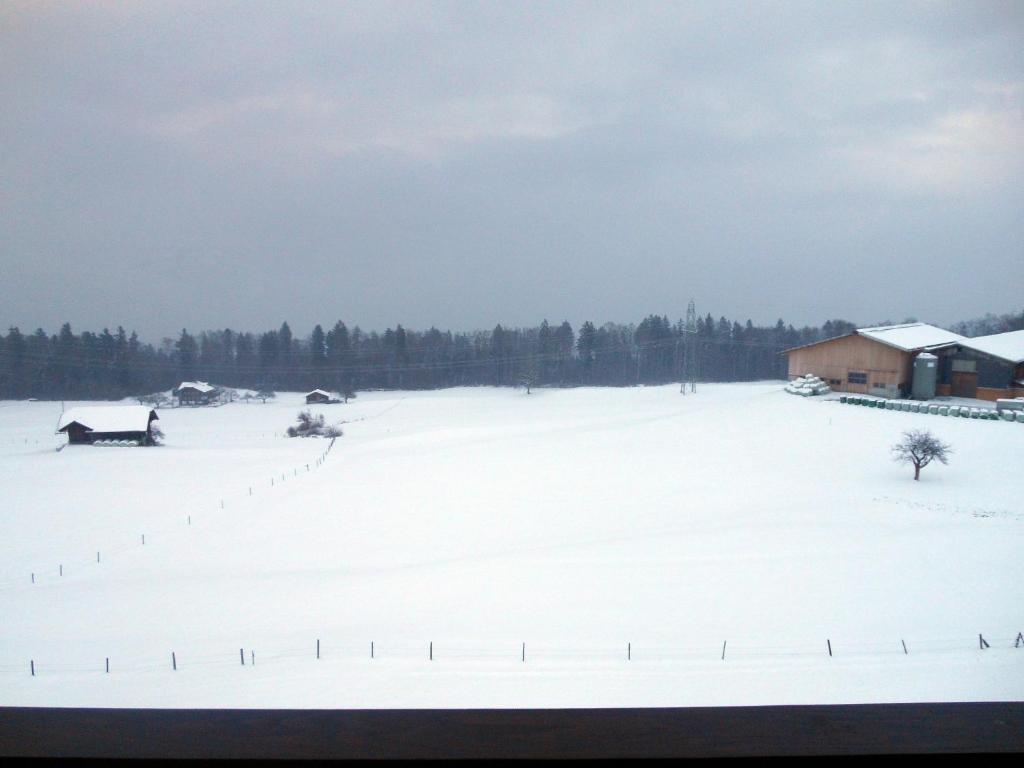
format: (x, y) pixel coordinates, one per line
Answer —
(689, 350)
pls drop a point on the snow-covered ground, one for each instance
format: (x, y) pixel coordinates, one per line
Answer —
(589, 524)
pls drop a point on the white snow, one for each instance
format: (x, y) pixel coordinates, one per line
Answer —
(318, 392)
(111, 418)
(912, 336)
(199, 386)
(580, 522)
(1007, 346)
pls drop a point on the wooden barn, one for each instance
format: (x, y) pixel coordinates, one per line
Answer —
(195, 393)
(318, 396)
(91, 424)
(875, 361)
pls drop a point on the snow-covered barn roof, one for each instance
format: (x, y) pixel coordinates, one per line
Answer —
(911, 337)
(119, 418)
(1006, 346)
(318, 392)
(200, 386)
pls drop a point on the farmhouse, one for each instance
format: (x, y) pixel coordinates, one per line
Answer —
(880, 361)
(94, 423)
(877, 361)
(317, 396)
(195, 393)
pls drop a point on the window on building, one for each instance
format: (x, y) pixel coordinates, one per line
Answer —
(857, 378)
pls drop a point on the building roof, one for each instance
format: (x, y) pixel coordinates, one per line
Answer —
(200, 386)
(1006, 346)
(318, 392)
(911, 337)
(118, 418)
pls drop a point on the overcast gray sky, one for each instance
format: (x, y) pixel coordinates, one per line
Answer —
(216, 164)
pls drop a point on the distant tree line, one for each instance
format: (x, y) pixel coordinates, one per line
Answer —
(109, 365)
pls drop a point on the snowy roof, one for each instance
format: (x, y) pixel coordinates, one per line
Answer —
(201, 386)
(118, 418)
(912, 336)
(318, 392)
(1006, 346)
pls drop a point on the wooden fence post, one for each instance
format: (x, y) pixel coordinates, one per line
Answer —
(431, 650)
(982, 642)
(108, 665)
(241, 655)
(829, 647)
(524, 651)
(32, 666)
(318, 648)
(1020, 640)
(723, 649)
(904, 646)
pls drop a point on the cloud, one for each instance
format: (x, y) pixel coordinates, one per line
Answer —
(312, 123)
(958, 152)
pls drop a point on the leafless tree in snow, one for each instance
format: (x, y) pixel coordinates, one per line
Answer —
(919, 447)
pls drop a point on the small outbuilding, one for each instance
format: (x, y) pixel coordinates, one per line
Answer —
(92, 424)
(318, 396)
(195, 393)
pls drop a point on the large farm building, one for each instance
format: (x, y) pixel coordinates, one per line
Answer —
(880, 361)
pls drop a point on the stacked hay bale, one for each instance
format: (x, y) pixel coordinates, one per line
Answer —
(808, 386)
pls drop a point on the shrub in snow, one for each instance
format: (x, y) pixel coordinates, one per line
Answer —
(920, 447)
(312, 426)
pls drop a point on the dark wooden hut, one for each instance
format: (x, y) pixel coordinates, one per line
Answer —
(92, 424)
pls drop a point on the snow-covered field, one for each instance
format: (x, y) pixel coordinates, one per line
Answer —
(589, 524)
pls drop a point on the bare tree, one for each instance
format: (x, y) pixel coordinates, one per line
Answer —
(919, 447)
(527, 379)
(156, 400)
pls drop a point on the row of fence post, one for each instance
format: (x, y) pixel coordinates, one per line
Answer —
(60, 567)
(982, 645)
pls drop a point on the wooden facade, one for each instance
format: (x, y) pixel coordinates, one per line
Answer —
(194, 396)
(855, 363)
(317, 396)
